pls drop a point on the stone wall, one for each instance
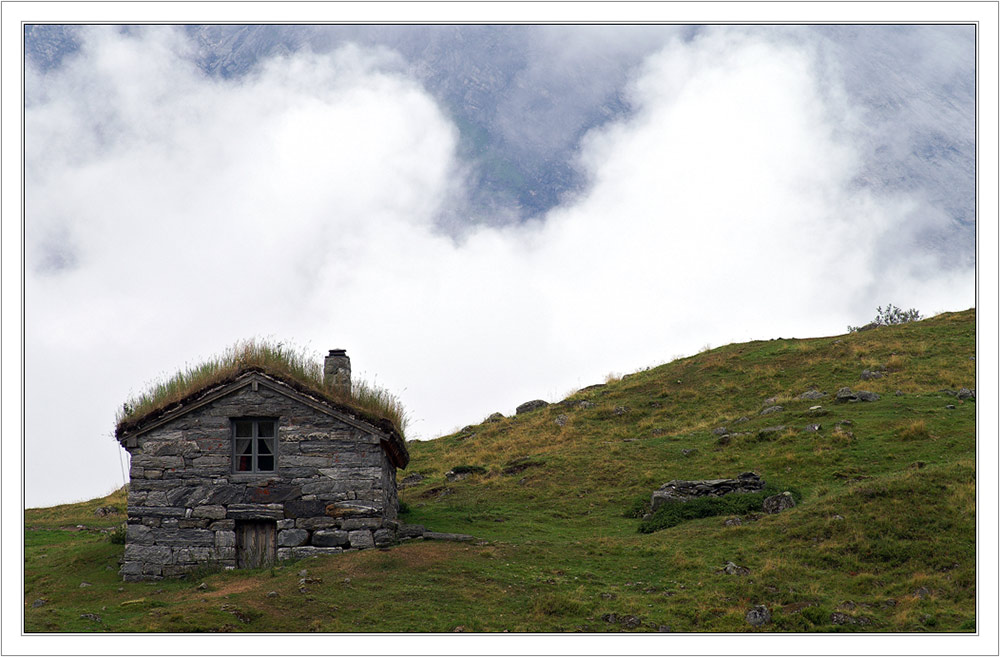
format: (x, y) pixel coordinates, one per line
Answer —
(334, 488)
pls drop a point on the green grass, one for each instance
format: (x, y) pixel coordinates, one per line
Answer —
(274, 358)
(884, 531)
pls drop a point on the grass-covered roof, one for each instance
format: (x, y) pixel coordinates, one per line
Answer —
(293, 367)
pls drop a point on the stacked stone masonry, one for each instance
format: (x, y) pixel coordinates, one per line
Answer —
(333, 487)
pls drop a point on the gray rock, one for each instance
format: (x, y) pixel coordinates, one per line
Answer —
(39, 602)
(732, 569)
(583, 405)
(812, 394)
(621, 410)
(813, 428)
(496, 417)
(532, 405)
(410, 531)
(772, 409)
(845, 395)
(778, 503)
(735, 521)
(758, 616)
(292, 537)
(384, 537)
(561, 419)
(965, 393)
(866, 396)
(330, 538)
(689, 452)
(770, 401)
(720, 431)
(361, 538)
(950, 406)
(683, 490)
(411, 480)
(91, 617)
(771, 432)
(868, 375)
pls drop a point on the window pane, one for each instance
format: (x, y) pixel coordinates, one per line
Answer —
(244, 428)
(264, 446)
(265, 429)
(244, 446)
(265, 463)
(244, 464)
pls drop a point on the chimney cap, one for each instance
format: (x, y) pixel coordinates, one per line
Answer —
(337, 352)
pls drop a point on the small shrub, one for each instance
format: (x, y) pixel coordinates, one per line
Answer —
(734, 504)
(404, 508)
(888, 317)
(469, 469)
(638, 508)
(118, 535)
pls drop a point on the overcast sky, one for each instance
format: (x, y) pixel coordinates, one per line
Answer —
(714, 185)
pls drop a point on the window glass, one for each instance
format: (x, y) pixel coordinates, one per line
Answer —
(265, 463)
(264, 446)
(265, 429)
(244, 446)
(244, 428)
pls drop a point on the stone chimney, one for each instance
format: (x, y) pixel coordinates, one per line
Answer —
(337, 371)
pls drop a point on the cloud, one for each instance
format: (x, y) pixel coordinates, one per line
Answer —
(170, 213)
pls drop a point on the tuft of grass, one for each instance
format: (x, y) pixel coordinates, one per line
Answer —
(274, 358)
(915, 431)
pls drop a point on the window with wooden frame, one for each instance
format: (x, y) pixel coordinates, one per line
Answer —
(254, 444)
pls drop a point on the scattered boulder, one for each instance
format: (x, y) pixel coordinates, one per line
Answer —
(684, 490)
(583, 405)
(743, 418)
(496, 417)
(813, 427)
(114, 510)
(778, 503)
(965, 393)
(84, 585)
(561, 419)
(922, 592)
(732, 569)
(868, 375)
(950, 406)
(91, 617)
(735, 521)
(460, 472)
(39, 602)
(689, 452)
(411, 480)
(759, 615)
(770, 401)
(532, 405)
(839, 618)
(720, 431)
(812, 394)
(771, 432)
(899, 393)
(772, 409)
(846, 395)
(621, 410)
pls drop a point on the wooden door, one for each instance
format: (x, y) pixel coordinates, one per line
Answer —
(255, 543)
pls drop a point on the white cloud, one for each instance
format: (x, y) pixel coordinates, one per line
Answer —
(169, 214)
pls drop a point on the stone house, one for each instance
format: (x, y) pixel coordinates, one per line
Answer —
(258, 468)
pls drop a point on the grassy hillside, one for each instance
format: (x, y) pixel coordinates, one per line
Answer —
(882, 540)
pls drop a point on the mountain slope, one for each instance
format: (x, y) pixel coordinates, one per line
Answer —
(882, 540)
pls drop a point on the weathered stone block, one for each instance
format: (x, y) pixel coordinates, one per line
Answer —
(149, 521)
(136, 472)
(157, 498)
(213, 511)
(283, 553)
(296, 460)
(361, 538)
(170, 523)
(153, 474)
(225, 538)
(255, 511)
(223, 524)
(193, 555)
(160, 462)
(232, 493)
(185, 537)
(212, 462)
(224, 553)
(316, 523)
(292, 537)
(304, 508)
(287, 523)
(152, 571)
(139, 535)
(147, 553)
(312, 551)
(157, 511)
(131, 568)
(361, 523)
(330, 538)
(383, 537)
(193, 523)
(273, 493)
